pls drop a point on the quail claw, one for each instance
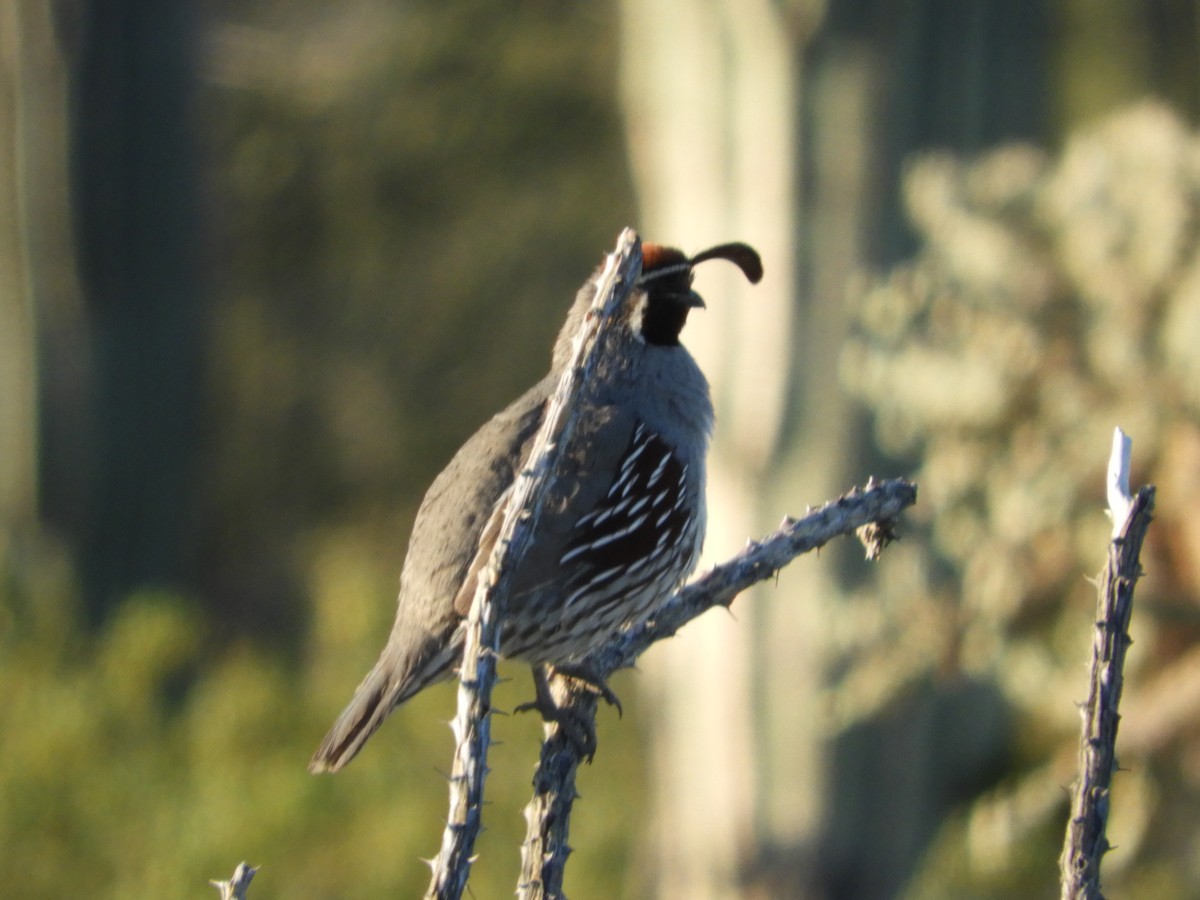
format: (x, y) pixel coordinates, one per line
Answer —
(594, 681)
(579, 729)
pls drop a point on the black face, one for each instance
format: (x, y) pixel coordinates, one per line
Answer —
(667, 280)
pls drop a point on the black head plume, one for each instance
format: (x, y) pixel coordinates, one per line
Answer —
(667, 280)
(741, 255)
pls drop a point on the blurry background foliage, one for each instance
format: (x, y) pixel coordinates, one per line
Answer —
(1051, 299)
(271, 262)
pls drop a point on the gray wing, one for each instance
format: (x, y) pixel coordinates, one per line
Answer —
(601, 435)
(422, 647)
(457, 508)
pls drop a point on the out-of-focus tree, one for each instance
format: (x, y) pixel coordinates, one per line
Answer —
(780, 124)
(17, 359)
(38, 294)
(120, 464)
(711, 124)
(814, 802)
(1052, 299)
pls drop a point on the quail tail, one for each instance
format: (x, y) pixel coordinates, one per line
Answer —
(388, 685)
(374, 699)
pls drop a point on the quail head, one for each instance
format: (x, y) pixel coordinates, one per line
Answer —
(621, 528)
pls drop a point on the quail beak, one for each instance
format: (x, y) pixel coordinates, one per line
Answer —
(695, 301)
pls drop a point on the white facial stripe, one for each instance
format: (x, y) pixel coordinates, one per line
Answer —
(665, 271)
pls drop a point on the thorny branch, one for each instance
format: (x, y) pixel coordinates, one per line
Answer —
(235, 888)
(472, 723)
(548, 814)
(869, 512)
(1086, 841)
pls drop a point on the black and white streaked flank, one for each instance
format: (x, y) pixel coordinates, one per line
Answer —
(621, 557)
(622, 522)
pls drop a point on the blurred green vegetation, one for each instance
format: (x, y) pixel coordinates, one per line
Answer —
(146, 758)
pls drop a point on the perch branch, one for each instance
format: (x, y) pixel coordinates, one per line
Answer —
(1086, 843)
(515, 521)
(235, 887)
(868, 512)
(1117, 480)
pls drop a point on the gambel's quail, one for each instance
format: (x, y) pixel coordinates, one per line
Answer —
(621, 528)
